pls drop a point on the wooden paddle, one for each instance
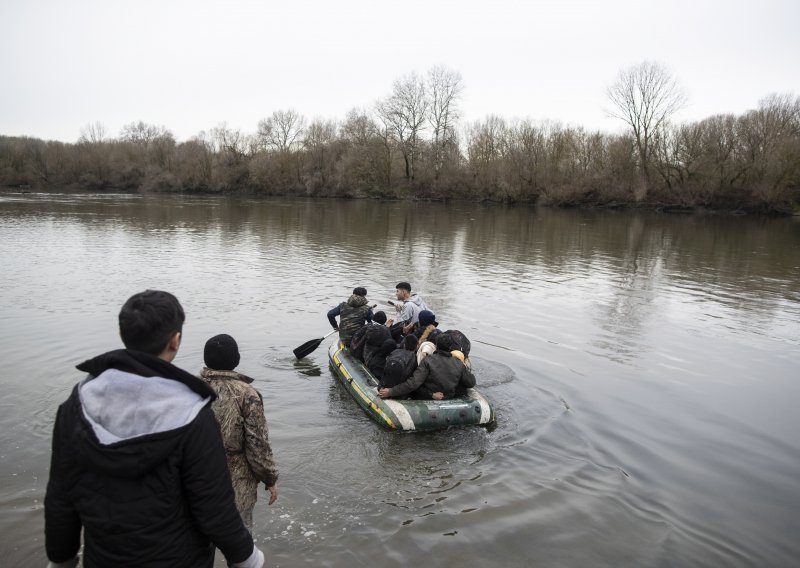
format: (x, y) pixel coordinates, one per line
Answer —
(309, 346)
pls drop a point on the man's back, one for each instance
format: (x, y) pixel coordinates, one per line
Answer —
(138, 464)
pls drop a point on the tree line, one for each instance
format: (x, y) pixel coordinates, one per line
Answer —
(413, 144)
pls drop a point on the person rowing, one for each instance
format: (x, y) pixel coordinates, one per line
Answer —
(352, 313)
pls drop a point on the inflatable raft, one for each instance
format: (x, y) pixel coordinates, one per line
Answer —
(406, 414)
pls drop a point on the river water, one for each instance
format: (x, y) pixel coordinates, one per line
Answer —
(643, 367)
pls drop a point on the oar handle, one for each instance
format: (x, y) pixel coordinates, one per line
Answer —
(331, 333)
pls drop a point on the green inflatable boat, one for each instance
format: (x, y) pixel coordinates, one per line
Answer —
(406, 415)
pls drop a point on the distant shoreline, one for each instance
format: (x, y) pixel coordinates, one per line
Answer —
(667, 208)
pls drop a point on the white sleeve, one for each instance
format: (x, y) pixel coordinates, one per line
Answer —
(72, 563)
(256, 560)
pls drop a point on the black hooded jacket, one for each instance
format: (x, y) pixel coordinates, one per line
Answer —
(138, 464)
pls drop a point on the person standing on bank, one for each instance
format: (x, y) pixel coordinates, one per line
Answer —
(352, 315)
(239, 409)
(137, 462)
(408, 307)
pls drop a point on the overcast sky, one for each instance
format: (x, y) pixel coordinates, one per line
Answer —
(192, 65)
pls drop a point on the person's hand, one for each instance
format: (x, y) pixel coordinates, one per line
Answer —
(384, 392)
(273, 493)
(408, 328)
(437, 395)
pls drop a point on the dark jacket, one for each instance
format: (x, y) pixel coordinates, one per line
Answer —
(138, 464)
(378, 359)
(400, 365)
(376, 335)
(427, 333)
(440, 372)
(352, 315)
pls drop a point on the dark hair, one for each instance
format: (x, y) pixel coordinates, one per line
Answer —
(388, 346)
(360, 291)
(410, 343)
(404, 286)
(445, 342)
(379, 317)
(149, 319)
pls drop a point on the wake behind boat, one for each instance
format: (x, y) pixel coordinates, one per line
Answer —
(406, 414)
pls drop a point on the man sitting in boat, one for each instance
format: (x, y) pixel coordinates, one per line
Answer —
(352, 315)
(377, 362)
(428, 327)
(438, 376)
(359, 340)
(375, 337)
(400, 364)
(408, 307)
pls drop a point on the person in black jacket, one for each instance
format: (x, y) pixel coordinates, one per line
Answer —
(400, 364)
(359, 340)
(138, 463)
(378, 359)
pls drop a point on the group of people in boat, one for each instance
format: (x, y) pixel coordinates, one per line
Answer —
(406, 351)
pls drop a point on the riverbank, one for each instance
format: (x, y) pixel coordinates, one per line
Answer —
(575, 202)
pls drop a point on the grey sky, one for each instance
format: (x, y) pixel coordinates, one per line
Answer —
(192, 65)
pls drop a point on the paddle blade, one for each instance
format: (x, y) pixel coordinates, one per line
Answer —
(307, 348)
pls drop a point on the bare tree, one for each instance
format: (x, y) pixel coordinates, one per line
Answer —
(358, 128)
(282, 131)
(143, 134)
(231, 142)
(487, 143)
(445, 87)
(319, 137)
(405, 112)
(93, 133)
(645, 96)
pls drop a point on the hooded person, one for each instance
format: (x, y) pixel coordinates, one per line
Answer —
(352, 315)
(137, 463)
(239, 409)
(378, 359)
(375, 336)
(427, 329)
(408, 307)
(400, 364)
(359, 340)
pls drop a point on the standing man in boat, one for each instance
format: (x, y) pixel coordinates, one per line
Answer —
(408, 307)
(138, 463)
(352, 315)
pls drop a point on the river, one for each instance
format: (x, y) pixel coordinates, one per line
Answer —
(644, 369)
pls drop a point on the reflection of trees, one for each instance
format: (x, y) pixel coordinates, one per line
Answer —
(451, 249)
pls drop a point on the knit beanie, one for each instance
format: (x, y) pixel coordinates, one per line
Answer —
(427, 317)
(221, 353)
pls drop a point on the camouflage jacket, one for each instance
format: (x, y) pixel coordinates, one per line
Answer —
(353, 313)
(240, 412)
